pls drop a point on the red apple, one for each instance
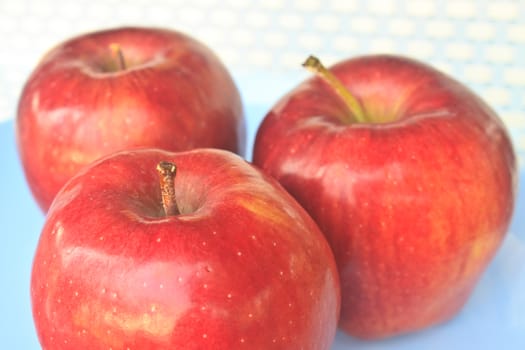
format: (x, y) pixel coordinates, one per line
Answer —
(118, 89)
(409, 174)
(221, 258)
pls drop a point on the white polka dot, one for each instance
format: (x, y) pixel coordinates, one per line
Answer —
(503, 10)
(327, 23)
(224, 18)
(191, 15)
(382, 45)
(458, 51)
(516, 33)
(242, 37)
(307, 5)
(382, 7)
(478, 73)
(310, 42)
(363, 24)
(499, 53)
(260, 58)
(14, 8)
(497, 96)
(257, 19)
(480, 31)
(421, 49)
(272, 4)
(345, 43)
(515, 76)
(423, 8)
(344, 6)
(461, 9)
(401, 27)
(440, 29)
(275, 39)
(291, 21)
(158, 14)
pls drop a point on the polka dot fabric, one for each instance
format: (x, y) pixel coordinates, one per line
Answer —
(480, 42)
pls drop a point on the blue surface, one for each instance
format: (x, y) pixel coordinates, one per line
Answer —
(494, 317)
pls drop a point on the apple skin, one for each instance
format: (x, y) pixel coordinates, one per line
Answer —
(242, 266)
(79, 105)
(415, 202)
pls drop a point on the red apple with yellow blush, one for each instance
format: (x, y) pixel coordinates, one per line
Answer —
(410, 175)
(149, 249)
(123, 88)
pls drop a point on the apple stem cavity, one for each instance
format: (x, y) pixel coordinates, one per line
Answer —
(314, 65)
(117, 51)
(167, 171)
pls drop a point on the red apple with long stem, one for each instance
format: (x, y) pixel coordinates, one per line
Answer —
(148, 249)
(122, 88)
(409, 174)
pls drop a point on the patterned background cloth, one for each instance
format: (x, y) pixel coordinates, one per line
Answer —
(480, 42)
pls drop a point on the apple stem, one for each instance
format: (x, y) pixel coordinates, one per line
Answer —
(167, 171)
(314, 65)
(117, 51)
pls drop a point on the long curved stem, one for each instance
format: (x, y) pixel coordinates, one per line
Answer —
(314, 65)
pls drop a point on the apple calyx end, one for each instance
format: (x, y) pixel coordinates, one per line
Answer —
(167, 171)
(314, 65)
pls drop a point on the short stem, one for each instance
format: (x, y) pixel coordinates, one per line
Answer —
(167, 171)
(117, 51)
(314, 65)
